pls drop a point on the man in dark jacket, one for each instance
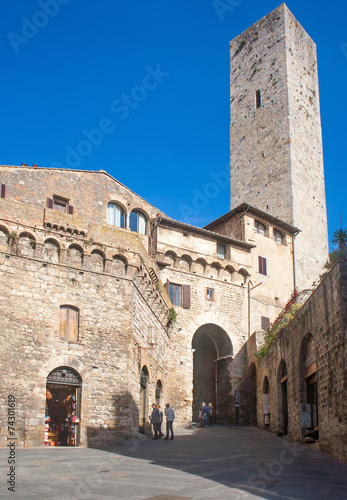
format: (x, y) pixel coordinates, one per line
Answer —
(155, 419)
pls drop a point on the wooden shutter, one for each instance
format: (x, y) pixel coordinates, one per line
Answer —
(264, 322)
(73, 325)
(70, 209)
(186, 296)
(62, 325)
(3, 190)
(167, 286)
(49, 202)
(262, 265)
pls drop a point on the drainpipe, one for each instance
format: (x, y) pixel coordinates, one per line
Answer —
(294, 274)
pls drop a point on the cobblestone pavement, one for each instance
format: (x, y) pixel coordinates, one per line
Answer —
(215, 462)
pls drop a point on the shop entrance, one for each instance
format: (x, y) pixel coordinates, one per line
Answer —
(63, 397)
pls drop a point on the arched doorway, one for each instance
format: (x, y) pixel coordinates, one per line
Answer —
(266, 402)
(211, 375)
(308, 384)
(158, 391)
(283, 398)
(63, 403)
(143, 400)
(250, 396)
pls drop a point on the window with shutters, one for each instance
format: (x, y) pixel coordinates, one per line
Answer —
(3, 190)
(60, 204)
(179, 295)
(265, 323)
(278, 236)
(209, 293)
(69, 319)
(262, 265)
(175, 294)
(259, 228)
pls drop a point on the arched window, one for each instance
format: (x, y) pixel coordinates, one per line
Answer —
(259, 228)
(115, 215)
(278, 236)
(138, 222)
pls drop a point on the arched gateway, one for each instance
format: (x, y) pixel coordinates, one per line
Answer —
(211, 371)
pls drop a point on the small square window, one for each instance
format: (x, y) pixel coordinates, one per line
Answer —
(221, 250)
(209, 293)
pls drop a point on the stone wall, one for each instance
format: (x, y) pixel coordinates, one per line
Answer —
(323, 317)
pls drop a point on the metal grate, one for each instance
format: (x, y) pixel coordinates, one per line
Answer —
(64, 375)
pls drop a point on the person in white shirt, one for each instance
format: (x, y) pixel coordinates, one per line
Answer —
(170, 415)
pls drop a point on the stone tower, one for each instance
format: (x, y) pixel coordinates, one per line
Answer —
(276, 159)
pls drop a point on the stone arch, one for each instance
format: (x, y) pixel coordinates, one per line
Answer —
(308, 379)
(97, 261)
(214, 270)
(119, 265)
(244, 274)
(200, 266)
(212, 357)
(185, 262)
(170, 257)
(75, 255)
(51, 250)
(227, 274)
(4, 233)
(26, 245)
(282, 380)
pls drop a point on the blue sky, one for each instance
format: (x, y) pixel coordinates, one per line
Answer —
(70, 65)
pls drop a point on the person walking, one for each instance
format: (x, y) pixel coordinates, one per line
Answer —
(155, 419)
(210, 418)
(206, 413)
(170, 416)
(201, 415)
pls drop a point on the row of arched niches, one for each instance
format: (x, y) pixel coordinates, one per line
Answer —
(50, 250)
(230, 272)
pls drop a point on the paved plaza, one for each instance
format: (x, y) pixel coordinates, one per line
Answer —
(216, 462)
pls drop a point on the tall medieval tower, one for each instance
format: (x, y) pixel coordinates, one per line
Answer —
(276, 158)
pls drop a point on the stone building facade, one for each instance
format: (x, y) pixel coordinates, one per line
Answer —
(108, 305)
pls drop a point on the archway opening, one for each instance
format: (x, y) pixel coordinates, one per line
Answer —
(250, 396)
(211, 374)
(143, 400)
(63, 403)
(283, 398)
(308, 386)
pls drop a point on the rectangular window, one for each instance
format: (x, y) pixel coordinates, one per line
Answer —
(221, 250)
(68, 328)
(258, 99)
(60, 204)
(175, 294)
(3, 190)
(264, 323)
(262, 265)
(209, 294)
